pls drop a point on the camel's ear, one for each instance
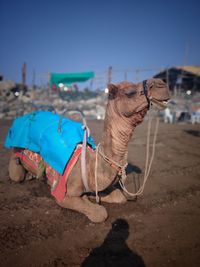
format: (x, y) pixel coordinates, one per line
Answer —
(159, 83)
(112, 91)
(150, 83)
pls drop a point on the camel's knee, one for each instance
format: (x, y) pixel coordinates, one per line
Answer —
(15, 169)
(94, 212)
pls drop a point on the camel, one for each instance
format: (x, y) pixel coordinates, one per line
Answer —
(127, 106)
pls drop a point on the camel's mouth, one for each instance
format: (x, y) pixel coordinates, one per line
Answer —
(161, 104)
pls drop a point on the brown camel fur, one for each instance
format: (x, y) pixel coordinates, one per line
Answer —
(126, 108)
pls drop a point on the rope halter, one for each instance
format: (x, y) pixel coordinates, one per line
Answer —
(145, 93)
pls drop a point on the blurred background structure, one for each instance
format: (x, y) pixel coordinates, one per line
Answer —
(107, 41)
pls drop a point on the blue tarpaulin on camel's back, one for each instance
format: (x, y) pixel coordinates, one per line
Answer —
(38, 132)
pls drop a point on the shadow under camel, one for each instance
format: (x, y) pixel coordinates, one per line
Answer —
(135, 178)
(193, 132)
(114, 252)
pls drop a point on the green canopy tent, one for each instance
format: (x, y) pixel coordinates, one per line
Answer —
(69, 78)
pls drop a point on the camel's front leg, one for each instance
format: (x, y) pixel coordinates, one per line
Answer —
(94, 212)
(116, 196)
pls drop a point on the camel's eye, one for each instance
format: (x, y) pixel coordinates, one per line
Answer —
(130, 92)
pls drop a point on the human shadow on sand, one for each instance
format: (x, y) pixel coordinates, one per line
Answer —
(114, 252)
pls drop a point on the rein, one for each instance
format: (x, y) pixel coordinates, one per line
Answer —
(148, 163)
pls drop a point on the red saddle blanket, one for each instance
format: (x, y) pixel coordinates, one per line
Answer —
(33, 161)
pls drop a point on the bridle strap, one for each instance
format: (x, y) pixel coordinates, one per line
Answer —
(145, 92)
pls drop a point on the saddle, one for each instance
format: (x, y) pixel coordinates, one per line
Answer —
(35, 164)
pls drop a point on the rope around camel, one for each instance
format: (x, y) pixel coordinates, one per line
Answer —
(122, 168)
(148, 163)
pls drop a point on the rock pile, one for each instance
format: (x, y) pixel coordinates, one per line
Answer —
(14, 104)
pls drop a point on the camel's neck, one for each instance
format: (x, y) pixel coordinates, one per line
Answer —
(114, 145)
(117, 133)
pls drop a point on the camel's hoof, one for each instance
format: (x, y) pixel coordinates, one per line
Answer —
(98, 215)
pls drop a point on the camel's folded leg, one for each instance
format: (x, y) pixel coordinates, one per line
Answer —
(94, 212)
(15, 169)
(116, 196)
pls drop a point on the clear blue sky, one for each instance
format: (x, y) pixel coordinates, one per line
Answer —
(91, 35)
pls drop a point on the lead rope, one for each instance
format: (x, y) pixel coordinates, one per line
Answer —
(147, 168)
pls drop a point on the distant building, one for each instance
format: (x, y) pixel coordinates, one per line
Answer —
(181, 78)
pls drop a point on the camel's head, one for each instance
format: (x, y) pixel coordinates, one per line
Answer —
(130, 99)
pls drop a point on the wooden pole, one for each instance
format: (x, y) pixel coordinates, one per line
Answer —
(109, 74)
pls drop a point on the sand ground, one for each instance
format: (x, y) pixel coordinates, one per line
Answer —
(161, 228)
